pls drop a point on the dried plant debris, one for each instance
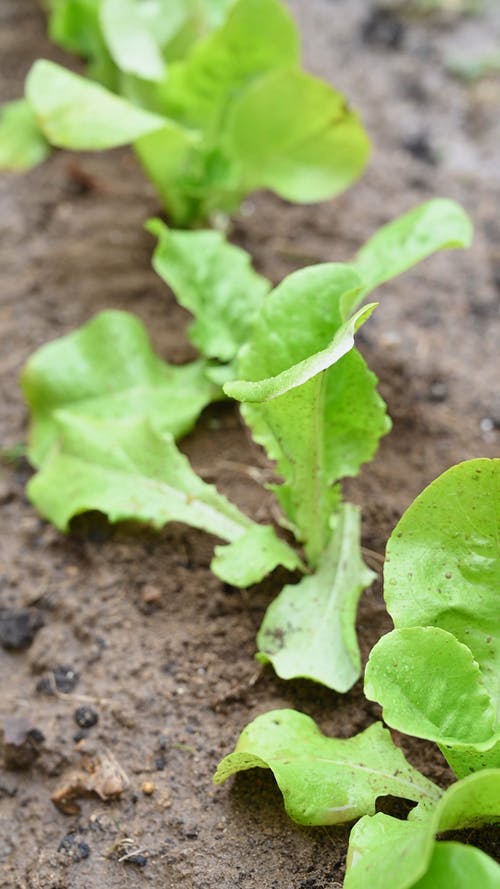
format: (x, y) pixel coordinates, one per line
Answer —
(100, 773)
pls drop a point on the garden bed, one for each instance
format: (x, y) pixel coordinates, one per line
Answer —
(160, 649)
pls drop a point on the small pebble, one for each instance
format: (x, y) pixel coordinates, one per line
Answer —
(18, 627)
(74, 848)
(86, 717)
(138, 860)
(148, 788)
(66, 679)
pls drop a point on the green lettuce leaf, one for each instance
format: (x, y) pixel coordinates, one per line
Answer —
(108, 370)
(75, 113)
(249, 558)
(22, 144)
(439, 224)
(442, 576)
(320, 416)
(309, 629)
(326, 780)
(200, 88)
(430, 686)
(294, 134)
(131, 40)
(384, 851)
(215, 281)
(128, 471)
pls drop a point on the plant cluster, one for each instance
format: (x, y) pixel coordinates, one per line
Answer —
(212, 115)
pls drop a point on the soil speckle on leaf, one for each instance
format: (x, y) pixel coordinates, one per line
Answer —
(135, 626)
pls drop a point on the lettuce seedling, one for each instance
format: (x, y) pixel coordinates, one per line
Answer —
(437, 675)
(326, 780)
(235, 114)
(105, 410)
(309, 399)
(127, 44)
(385, 851)
(311, 402)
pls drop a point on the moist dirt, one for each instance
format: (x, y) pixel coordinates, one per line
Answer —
(129, 626)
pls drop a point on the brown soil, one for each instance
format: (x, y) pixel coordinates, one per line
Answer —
(163, 651)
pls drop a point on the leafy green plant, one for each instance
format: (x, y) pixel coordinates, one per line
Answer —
(236, 113)
(309, 399)
(105, 410)
(326, 780)
(127, 44)
(437, 675)
(385, 851)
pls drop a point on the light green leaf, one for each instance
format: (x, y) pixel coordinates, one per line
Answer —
(471, 802)
(309, 630)
(22, 145)
(252, 556)
(199, 88)
(318, 424)
(132, 45)
(430, 686)
(215, 281)
(443, 572)
(460, 867)
(447, 546)
(108, 370)
(291, 132)
(300, 373)
(384, 851)
(439, 224)
(74, 25)
(326, 780)
(75, 113)
(126, 470)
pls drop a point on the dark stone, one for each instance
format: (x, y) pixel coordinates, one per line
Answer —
(18, 627)
(73, 847)
(66, 679)
(86, 717)
(138, 860)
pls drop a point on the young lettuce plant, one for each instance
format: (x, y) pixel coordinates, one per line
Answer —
(236, 114)
(438, 681)
(437, 674)
(105, 411)
(313, 406)
(310, 401)
(326, 781)
(127, 44)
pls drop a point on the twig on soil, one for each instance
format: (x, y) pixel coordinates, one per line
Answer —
(67, 696)
(133, 852)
